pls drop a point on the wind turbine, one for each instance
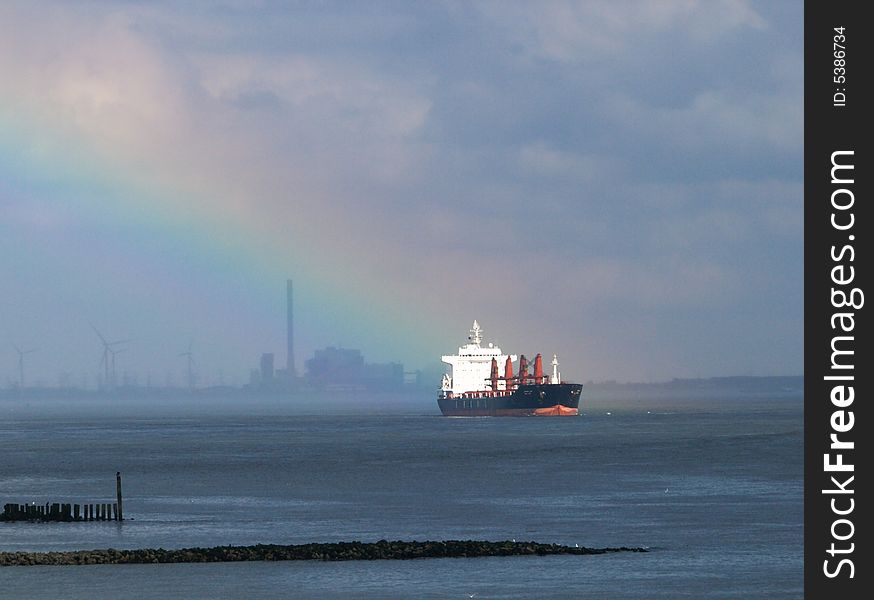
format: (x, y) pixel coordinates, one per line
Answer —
(106, 361)
(112, 354)
(190, 365)
(21, 354)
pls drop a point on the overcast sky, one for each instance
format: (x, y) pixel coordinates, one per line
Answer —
(617, 182)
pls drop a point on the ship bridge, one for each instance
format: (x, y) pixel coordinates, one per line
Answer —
(471, 367)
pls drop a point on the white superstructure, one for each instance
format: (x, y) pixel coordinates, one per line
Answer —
(471, 367)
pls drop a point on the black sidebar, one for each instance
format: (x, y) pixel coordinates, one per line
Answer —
(837, 365)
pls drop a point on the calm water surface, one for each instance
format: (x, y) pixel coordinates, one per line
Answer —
(714, 488)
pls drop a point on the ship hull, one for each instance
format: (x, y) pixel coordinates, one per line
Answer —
(546, 400)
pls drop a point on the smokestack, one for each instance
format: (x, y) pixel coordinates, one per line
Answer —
(289, 332)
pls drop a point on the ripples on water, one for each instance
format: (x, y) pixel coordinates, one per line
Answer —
(715, 488)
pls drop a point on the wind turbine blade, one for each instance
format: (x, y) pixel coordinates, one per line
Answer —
(102, 339)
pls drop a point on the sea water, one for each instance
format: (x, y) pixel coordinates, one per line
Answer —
(713, 486)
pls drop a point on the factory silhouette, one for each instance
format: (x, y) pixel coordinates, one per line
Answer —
(329, 368)
(332, 368)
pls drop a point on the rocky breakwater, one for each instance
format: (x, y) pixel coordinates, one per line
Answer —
(381, 550)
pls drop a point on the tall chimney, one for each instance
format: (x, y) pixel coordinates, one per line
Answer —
(289, 332)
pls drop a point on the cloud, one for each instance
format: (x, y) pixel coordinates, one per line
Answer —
(587, 31)
(540, 159)
(331, 94)
(573, 158)
(737, 120)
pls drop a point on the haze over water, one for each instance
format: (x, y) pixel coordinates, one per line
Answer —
(712, 485)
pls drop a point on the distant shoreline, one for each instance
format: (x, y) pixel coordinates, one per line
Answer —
(756, 383)
(381, 550)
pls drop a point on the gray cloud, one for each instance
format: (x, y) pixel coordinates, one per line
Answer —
(620, 182)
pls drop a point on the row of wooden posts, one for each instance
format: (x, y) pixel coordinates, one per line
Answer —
(61, 512)
(56, 511)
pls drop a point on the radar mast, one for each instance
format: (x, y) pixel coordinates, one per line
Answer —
(476, 333)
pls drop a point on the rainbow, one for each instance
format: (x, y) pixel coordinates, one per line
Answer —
(168, 227)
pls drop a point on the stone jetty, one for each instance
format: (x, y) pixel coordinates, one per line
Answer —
(381, 550)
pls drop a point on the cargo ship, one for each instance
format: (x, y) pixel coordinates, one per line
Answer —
(474, 386)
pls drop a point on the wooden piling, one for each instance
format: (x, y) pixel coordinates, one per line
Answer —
(118, 495)
(66, 512)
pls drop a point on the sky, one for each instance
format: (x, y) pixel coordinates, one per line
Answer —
(619, 183)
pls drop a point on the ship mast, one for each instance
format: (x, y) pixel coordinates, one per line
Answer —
(476, 333)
